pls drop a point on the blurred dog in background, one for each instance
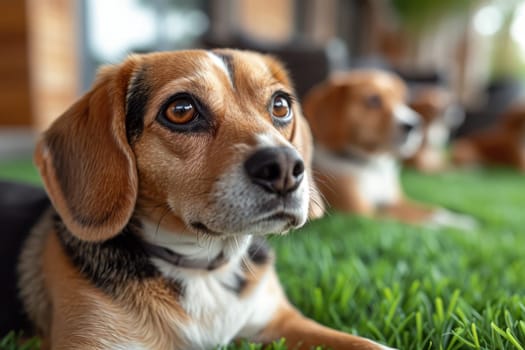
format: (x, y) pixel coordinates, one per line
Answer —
(440, 115)
(503, 144)
(362, 128)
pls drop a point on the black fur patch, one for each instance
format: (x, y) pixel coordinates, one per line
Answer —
(21, 206)
(111, 264)
(259, 251)
(137, 99)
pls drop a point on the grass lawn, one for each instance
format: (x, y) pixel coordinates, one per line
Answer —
(405, 286)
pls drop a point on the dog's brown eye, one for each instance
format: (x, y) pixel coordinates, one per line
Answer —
(280, 107)
(181, 111)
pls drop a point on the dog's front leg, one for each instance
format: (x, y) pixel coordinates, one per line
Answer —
(303, 333)
(408, 211)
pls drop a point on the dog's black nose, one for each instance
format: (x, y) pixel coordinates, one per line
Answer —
(278, 170)
(406, 128)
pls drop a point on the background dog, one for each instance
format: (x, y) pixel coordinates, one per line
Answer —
(502, 144)
(162, 177)
(440, 115)
(362, 126)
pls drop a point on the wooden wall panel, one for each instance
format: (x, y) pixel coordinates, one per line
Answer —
(15, 101)
(54, 62)
(39, 64)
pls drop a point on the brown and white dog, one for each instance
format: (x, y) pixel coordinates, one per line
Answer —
(162, 178)
(440, 114)
(501, 145)
(362, 127)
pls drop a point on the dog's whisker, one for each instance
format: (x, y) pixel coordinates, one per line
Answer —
(320, 204)
(166, 211)
(249, 266)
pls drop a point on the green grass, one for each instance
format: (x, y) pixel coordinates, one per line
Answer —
(411, 287)
(416, 288)
(19, 170)
(14, 341)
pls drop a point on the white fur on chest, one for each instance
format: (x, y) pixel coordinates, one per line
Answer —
(217, 313)
(377, 179)
(438, 134)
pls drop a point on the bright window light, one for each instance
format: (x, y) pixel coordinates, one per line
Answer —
(116, 27)
(488, 20)
(517, 29)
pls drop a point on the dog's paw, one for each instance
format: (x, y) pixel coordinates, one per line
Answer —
(446, 218)
(381, 346)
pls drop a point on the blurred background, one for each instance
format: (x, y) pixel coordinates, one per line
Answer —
(51, 48)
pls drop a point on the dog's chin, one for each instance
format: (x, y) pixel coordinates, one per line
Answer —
(270, 223)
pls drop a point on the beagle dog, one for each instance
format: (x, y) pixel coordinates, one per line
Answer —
(440, 114)
(501, 145)
(362, 127)
(163, 178)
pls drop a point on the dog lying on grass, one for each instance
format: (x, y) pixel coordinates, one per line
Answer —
(162, 179)
(501, 145)
(362, 129)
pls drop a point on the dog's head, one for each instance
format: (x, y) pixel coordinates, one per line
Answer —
(202, 142)
(364, 111)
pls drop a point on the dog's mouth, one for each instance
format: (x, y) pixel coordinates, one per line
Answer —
(281, 217)
(286, 219)
(408, 142)
(289, 220)
(200, 227)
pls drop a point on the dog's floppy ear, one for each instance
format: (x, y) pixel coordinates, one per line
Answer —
(86, 163)
(302, 140)
(320, 103)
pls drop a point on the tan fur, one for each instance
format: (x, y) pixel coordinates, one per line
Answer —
(139, 316)
(97, 181)
(339, 192)
(298, 331)
(31, 282)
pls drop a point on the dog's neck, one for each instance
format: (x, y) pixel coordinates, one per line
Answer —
(353, 156)
(180, 260)
(350, 156)
(377, 180)
(191, 251)
(128, 253)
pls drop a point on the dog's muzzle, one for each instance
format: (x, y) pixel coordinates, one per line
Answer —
(268, 192)
(409, 133)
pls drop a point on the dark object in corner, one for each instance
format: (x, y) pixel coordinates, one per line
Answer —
(20, 207)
